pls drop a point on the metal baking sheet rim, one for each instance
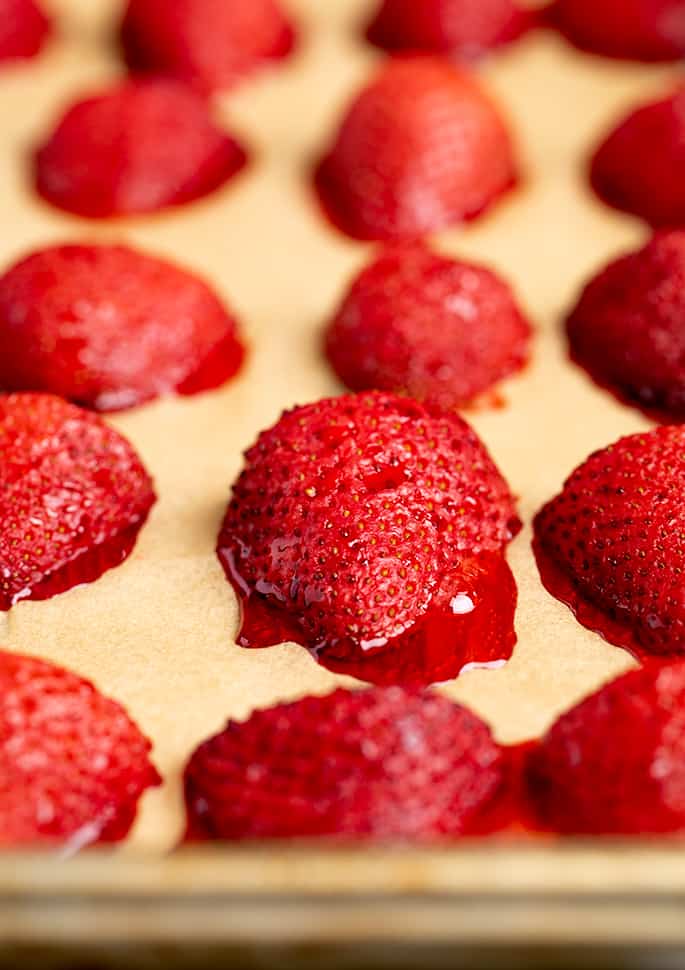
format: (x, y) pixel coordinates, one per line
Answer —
(575, 892)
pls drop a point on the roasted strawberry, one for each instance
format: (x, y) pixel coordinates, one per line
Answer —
(382, 763)
(427, 326)
(422, 147)
(640, 30)
(73, 497)
(24, 28)
(372, 528)
(72, 763)
(615, 763)
(612, 544)
(627, 328)
(461, 28)
(138, 147)
(109, 327)
(637, 168)
(210, 43)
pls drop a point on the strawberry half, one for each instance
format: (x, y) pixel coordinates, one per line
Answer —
(612, 544)
(73, 497)
(460, 28)
(72, 763)
(371, 530)
(209, 43)
(24, 28)
(626, 329)
(639, 30)
(110, 154)
(638, 167)
(615, 763)
(382, 763)
(109, 327)
(422, 147)
(427, 326)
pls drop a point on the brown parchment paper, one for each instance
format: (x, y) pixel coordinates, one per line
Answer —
(158, 632)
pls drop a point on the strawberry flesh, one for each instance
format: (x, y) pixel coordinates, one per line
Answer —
(371, 530)
(422, 147)
(108, 327)
(428, 326)
(626, 330)
(638, 166)
(384, 763)
(639, 30)
(615, 763)
(461, 28)
(211, 44)
(73, 497)
(73, 765)
(611, 545)
(24, 28)
(110, 154)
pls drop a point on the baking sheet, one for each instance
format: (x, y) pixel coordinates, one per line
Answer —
(158, 632)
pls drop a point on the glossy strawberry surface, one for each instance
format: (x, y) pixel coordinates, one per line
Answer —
(612, 544)
(637, 167)
(615, 763)
(460, 28)
(73, 765)
(420, 148)
(209, 43)
(136, 148)
(110, 327)
(422, 324)
(383, 763)
(73, 497)
(640, 30)
(24, 28)
(373, 525)
(627, 328)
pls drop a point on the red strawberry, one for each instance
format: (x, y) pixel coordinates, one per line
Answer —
(627, 332)
(381, 763)
(73, 497)
(420, 148)
(427, 326)
(461, 28)
(110, 327)
(139, 147)
(210, 43)
(638, 167)
(640, 30)
(615, 763)
(24, 29)
(612, 544)
(72, 763)
(371, 530)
